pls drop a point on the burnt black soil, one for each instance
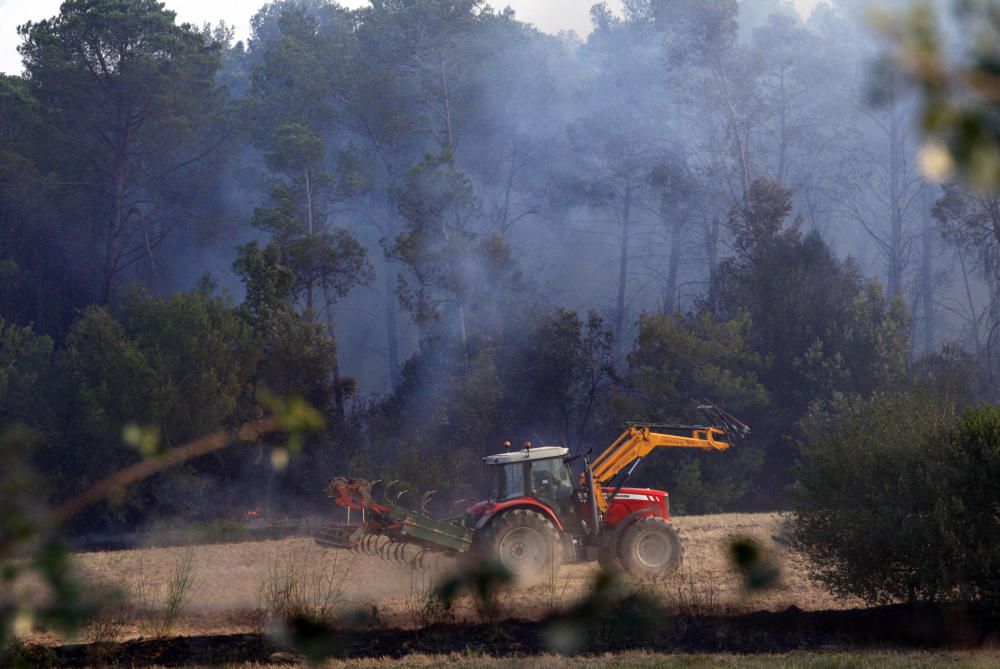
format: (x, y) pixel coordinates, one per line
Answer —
(887, 627)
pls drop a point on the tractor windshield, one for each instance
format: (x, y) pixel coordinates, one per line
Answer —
(550, 480)
(547, 479)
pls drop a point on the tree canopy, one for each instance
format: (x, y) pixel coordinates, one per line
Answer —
(444, 228)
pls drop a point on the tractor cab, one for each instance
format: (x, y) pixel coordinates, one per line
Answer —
(536, 477)
(540, 473)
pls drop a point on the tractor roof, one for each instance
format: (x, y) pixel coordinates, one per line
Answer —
(538, 453)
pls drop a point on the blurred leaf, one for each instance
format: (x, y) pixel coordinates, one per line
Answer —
(279, 458)
(482, 579)
(954, 73)
(143, 438)
(313, 638)
(297, 418)
(758, 570)
(565, 637)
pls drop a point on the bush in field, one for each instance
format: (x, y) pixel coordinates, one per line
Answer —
(898, 498)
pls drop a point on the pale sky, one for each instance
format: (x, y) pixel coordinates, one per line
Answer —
(548, 15)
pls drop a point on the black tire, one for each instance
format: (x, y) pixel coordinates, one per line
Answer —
(650, 547)
(525, 542)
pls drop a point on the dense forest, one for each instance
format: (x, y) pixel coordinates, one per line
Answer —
(444, 229)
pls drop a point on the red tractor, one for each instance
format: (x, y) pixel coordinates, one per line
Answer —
(543, 508)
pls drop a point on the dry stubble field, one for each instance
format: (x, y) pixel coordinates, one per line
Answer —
(225, 595)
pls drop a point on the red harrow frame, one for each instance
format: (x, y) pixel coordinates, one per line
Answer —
(386, 529)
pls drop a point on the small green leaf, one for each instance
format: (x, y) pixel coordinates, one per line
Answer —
(144, 439)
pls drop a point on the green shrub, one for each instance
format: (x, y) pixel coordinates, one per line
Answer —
(898, 499)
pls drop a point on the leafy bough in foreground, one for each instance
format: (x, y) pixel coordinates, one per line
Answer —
(29, 533)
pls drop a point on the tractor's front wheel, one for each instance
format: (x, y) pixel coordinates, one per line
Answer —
(650, 547)
(525, 543)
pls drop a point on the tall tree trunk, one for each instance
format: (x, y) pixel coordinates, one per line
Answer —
(712, 251)
(391, 325)
(462, 333)
(623, 272)
(338, 387)
(390, 280)
(310, 229)
(739, 137)
(973, 316)
(993, 310)
(309, 203)
(896, 167)
(446, 98)
(113, 246)
(670, 299)
(990, 277)
(782, 131)
(927, 277)
(459, 295)
(508, 190)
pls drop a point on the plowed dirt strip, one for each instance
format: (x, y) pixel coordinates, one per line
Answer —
(882, 628)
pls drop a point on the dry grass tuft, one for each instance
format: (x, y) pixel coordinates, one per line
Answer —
(178, 594)
(310, 585)
(135, 605)
(684, 594)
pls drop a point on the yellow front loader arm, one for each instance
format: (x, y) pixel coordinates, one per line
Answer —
(637, 442)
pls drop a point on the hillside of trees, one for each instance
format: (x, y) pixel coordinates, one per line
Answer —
(444, 228)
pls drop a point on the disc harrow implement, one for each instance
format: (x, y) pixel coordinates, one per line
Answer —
(384, 528)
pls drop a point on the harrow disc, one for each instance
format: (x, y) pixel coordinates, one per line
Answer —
(372, 545)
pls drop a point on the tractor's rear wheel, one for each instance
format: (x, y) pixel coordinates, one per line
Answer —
(525, 543)
(650, 547)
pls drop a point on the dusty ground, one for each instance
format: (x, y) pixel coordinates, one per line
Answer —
(229, 582)
(706, 540)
